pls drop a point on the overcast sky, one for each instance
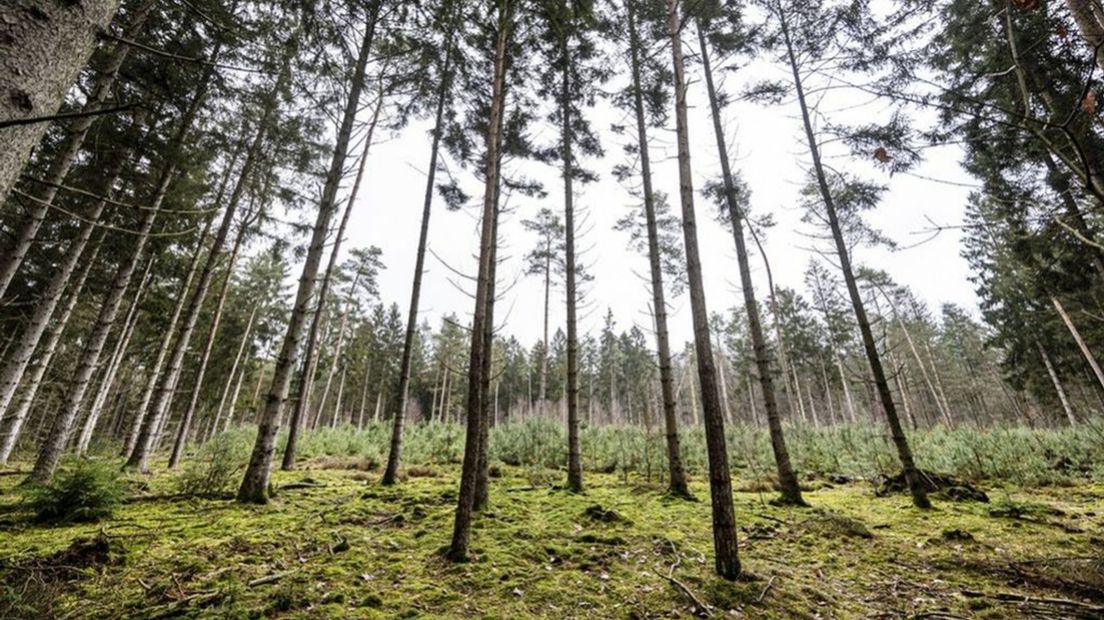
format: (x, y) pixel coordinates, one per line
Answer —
(770, 153)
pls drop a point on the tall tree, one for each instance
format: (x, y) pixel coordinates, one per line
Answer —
(648, 96)
(545, 260)
(503, 16)
(732, 193)
(726, 559)
(254, 486)
(446, 21)
(817, 29)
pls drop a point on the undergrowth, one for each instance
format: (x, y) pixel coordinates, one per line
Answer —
(1018, 456)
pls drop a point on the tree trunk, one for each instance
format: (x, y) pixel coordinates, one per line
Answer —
(574, 459)
(394, 455)
(310, 364)
(904, 452)
(43, 195)
(233, 373)
(482, 479)
(209, 345)
(787, 478)
(34, 382)
(113, 365)
(1053, 374)
(677, 484)
(47, 44)
(254, 486)
(1089, 357)
(461, 534)
(726, 561)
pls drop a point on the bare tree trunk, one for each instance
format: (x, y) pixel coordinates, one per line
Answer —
(113, 365)
(394, 455)
(787, 478)
(364, 391)
(832, 415)
(1053, 374)
(482, 480)
(461, 534)
(233, 372)
(726, 553)
(34, 382)
(574, 459)
(216, 319)
(904, 452)
(46, 190)
(1089, 357)
(254, 486)
(20, 357)
(677, 484)
(47, 44)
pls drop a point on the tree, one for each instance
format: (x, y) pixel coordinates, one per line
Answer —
(446, 22)
(545, 260)
(730, 193)
(649, 94)
(816, 29)
(254, 486)
(503, 15)
(726, 559)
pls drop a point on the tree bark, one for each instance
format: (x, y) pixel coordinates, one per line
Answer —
(44, 193)
(787, 478)
(46, 45)
(254, 486)
(726, 560)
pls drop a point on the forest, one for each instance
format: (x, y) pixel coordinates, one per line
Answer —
(468, 309)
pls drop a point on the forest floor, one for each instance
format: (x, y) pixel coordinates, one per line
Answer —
(335, 544)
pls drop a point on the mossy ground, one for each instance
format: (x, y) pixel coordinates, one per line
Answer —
(349, 548)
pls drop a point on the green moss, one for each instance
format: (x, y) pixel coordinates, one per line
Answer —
(350, 548)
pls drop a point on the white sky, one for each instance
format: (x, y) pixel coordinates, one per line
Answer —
(769, 150)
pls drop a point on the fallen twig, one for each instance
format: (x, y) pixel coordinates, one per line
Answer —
(1011, 597)
(703, 610)
(260, 581)
(763, 594)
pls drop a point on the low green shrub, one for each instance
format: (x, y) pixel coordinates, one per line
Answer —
(85, 492)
